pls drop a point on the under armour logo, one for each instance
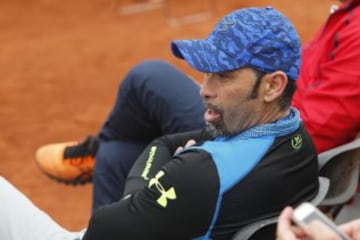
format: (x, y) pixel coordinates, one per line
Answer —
(165, 194)
(226, 24)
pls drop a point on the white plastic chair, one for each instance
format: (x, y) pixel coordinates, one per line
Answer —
(341, 166)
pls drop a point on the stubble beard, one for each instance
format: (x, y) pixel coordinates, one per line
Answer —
(217, 129)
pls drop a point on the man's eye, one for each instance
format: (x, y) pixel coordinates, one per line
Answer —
(224, 77)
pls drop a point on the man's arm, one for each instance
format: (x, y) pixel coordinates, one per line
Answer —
(158, 153)
(177, 203)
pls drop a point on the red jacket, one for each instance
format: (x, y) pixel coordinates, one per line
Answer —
(328, 95)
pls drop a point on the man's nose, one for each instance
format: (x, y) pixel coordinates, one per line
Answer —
(208, 88)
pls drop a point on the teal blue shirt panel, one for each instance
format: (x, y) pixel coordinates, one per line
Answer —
(236, 157)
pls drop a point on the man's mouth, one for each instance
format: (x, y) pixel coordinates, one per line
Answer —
(212, 114)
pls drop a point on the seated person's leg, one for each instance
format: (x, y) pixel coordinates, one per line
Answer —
(111, 170)
(20, 219)
(154, 99)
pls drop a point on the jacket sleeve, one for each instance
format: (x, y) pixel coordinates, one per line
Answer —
(177, 203)
(156, 154)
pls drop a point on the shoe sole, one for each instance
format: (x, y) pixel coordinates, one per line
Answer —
(76, 182)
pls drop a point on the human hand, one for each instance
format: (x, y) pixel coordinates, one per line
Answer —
(316, 230)
(352, 229)
(285, 230)
(189, 143)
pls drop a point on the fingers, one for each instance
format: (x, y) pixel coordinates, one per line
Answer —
(318, 231)
(352, 229)
(190, 143)
(284, 229)
(179, 149)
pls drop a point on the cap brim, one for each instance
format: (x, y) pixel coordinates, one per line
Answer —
(204, 56)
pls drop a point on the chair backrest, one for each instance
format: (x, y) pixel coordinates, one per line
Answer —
(265, 229)
(341, 166)
(339, 177)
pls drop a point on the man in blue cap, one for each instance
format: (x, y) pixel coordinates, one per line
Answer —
(253, 158)
(168, 102)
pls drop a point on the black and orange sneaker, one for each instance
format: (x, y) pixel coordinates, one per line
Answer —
(69, 162)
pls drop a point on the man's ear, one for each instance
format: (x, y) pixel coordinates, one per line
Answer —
(275, 84)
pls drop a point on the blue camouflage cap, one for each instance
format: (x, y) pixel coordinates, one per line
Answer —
(261, 38)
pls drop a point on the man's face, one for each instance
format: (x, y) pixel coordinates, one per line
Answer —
(231, 106)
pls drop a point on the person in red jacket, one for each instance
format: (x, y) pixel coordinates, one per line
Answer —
(328, 88)
(327, 96)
